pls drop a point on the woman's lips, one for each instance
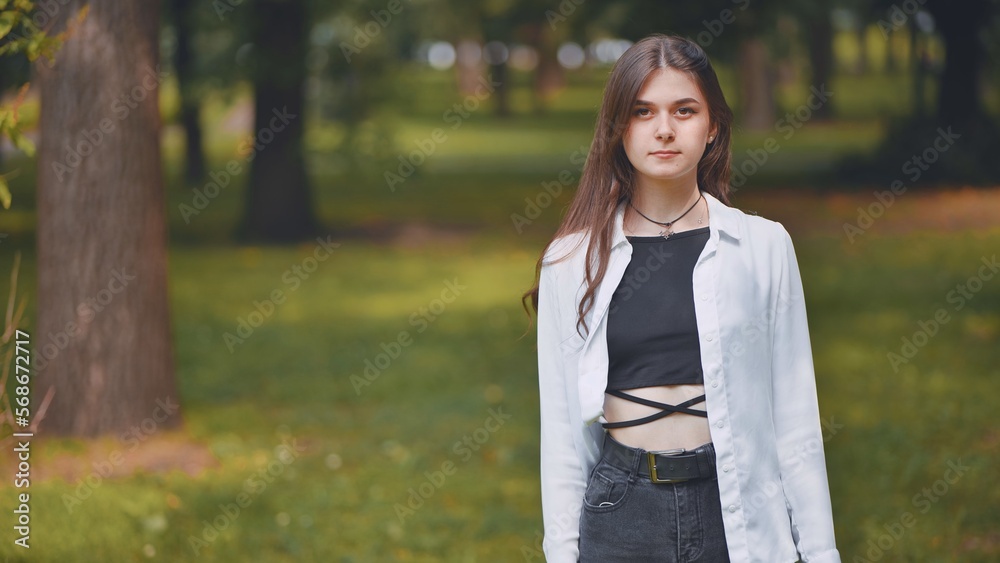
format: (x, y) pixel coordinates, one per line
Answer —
(665, 154)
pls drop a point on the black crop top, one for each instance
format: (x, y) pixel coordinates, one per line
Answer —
(652, 333)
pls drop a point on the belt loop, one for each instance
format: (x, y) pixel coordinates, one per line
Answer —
(638, 457)
(709, 458)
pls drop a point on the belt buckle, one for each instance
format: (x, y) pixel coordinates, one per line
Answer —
(651, 461)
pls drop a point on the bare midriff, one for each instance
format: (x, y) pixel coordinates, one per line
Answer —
(676, 430)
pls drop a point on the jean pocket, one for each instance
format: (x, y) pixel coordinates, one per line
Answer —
(607, 489)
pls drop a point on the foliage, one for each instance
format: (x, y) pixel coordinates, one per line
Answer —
(21, 35)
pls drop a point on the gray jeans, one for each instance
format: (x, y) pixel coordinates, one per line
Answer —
(627, 517)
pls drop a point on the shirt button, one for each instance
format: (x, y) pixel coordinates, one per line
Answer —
(704, 297)
(720, 424)
(715, 384)
(726, 468)
(709, 338)
(732, 508)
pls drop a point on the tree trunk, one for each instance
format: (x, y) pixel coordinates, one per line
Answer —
(278, 205)
(104, 338)
(499, 76)
(756, 92)
(468, 69)
(918, 59)
(820, 39)
(3, 85)
(548, 76)
(861, 34)
(194, 152)
(958, 102)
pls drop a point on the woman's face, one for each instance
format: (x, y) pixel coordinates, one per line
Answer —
(670, 114)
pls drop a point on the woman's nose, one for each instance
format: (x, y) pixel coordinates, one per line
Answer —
(664, 130)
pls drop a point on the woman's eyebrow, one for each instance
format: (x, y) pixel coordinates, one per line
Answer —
(680, 101)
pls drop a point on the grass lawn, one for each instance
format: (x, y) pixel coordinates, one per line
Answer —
(365, 447)
(413, 463)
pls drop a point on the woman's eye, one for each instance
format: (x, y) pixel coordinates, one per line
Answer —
(641, 110)
(688, 110)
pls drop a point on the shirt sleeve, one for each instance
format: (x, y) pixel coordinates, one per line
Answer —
(797, 420)
(562, 483)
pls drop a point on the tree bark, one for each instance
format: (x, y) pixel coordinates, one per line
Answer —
(103, 340)
(278, 204)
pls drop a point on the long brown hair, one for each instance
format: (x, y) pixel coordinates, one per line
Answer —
(608, 176)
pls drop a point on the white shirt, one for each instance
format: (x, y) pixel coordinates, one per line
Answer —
(760, 389)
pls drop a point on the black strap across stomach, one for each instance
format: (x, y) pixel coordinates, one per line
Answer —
(667, 409)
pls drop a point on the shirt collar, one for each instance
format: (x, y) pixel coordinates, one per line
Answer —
(720, 217)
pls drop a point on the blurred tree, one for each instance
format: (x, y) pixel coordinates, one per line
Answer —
(499, 26)
(102, 244)
(737, 32)
(756, 77)
(22, 40)
(548, 76)
(14, 73)
(461, 24)
(962, 24)
(818, 25)
(278, 206)
(959, 126)
(190, 109)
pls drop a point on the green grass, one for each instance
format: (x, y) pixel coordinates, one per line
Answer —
(364, 452)
(293, 376)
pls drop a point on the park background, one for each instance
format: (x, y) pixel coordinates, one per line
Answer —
(271, 255)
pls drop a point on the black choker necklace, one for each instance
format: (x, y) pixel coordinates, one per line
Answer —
(667, 232)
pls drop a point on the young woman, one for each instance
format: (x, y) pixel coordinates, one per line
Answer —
(678, 323)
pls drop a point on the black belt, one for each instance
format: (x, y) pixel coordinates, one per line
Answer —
(664, 466)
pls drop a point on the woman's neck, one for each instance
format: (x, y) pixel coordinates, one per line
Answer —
(665, 205)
